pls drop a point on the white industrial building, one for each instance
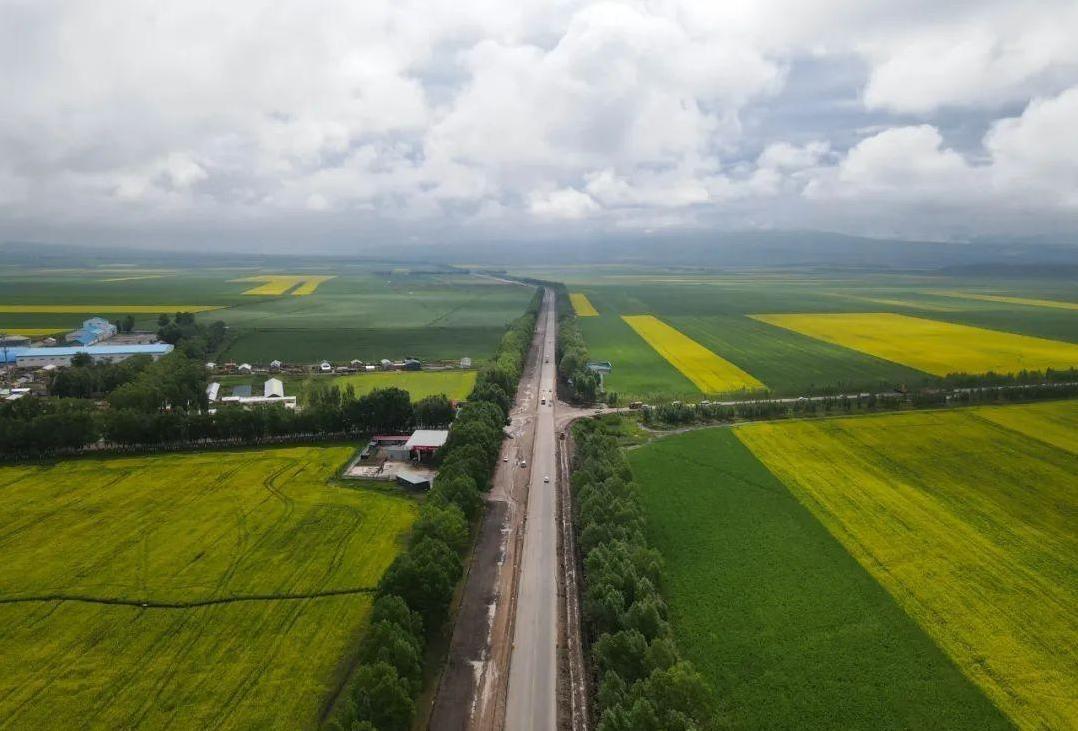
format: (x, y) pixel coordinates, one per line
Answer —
(272, 395)
(41, 357)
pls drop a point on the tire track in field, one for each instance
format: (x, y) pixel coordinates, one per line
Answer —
(194, 604)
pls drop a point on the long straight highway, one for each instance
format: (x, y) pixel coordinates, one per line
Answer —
(533, 668)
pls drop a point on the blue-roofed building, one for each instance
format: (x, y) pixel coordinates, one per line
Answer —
(41, 357)
(92, 331)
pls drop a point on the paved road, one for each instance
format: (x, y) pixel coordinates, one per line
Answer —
(533, 669)
(473, 690)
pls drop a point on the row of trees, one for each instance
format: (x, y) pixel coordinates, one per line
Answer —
(579, 384)
(677, 413)
(415, 592)
(643, 683)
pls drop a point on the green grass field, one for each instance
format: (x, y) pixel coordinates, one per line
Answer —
(967, 518)
(279, 559)
(420, 384)
(788, 628)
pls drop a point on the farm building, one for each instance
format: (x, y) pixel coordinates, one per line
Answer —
(412, 364)
(424, 443)
(275, 365)
(40, 357)
(92, 331)
(272, 395)
(413, 479)
(325, 367)
(244, 367)
(465, 362)
(212, 391)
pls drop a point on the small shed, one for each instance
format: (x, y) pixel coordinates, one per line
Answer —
(414, 480)
(276, 365)
(273, 388)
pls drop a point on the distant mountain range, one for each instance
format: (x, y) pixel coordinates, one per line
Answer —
(777, 249)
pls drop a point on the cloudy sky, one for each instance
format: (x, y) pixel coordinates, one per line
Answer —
(327, 122)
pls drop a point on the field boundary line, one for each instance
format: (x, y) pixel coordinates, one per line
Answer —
(155, 604)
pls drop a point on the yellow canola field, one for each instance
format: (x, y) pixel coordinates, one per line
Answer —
(969, 525)
(582, 306)
(31, 332)
(1053, 422)
(278, 284)
(930, 345)
(898, 303)
(710, 373)
(134, 277)
(1058, 304)
(111, 309)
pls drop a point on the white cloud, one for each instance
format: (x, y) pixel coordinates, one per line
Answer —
(1035, 155)
(624, 113)
(567, 203)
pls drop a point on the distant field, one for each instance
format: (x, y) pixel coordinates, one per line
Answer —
(582, 306)
(361, 311)
(714, 308)
(788, 629)
(30, 332)
(1012, 300)
(710, 373)
(252, 526)
(791, 363)
(967, 518)
(420, 384)
(134, 277)
(930, 345)
(278, 284)
(108, 308)
(310, 346)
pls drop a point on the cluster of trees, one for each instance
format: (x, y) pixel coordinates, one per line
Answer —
(578, 383)
(86, 379)
(193, 338)
(125, 325)
(643, 683)
(416, 590)
(164, 403)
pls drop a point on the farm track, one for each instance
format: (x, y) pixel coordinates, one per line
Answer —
(194, 604)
